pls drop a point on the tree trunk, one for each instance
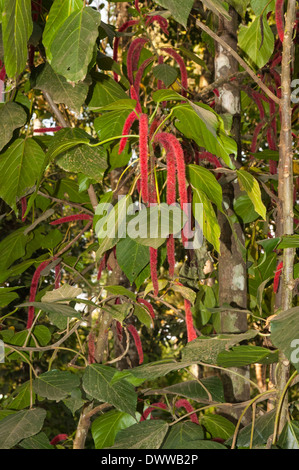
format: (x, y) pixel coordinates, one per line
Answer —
(232, 267)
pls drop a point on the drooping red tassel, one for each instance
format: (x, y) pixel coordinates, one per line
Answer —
(182, 403)
(137, 341)
(153, 265)
(122, 28)
(143, 155)
(33, 289)
(102, 266)
(191, 333)
(71, 218)
(279, 18)
(42, 130)
(139, 74)
(57, 275)
(59, 438)
(126, 129)
(148, 306)
(137, 5)
(277, 277)
(163, 23)
(180, 61)
(253, 147)
(133, 56)
(151, 408)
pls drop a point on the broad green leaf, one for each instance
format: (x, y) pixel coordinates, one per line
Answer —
(251, 186)
(59, 89)
(55, 384)
(96, 382)
(119, 311)
(73, 45)
(206, 218)
(179, 10)
(20, 167)
(205, 181)
(216, 6)
(21, 398)
(105, 92)
(206, 349)
(162, 283)
(15, 270)
(7, 295)
(263, 429)
(105, 428)
(181, 434)
(239, 5)
(289, 241)
(157, 369)
(201, 124)
(12, 248)
(262, 6)
(53, 307)
(143, 315)
(165, 73)
(39, 441)
(167, 95)
(257, 41)
(243, 355)
(120, 105)
(17, 27)
(285, 334)
(144, 435)
(110, 124)
(121, 290)
(185, 292)
(74, 402)
(62, 293)
(12, 116)
(90, 161)
(194, 391)
(217, 425)
(289, 437)
(20, 425)
(132, 257)
(59, 12)
(193, 57)
(244, 209)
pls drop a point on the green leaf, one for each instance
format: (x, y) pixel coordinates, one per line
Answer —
(165, 73)
(263, 429)
(132, 257)
(120, 290)
(157, 369)
(17, 27)
(59, 12)
(243, 355)
(105, 428)
(118, 312)
(179, 10)
(73, 45)
(55, 384)
(185, 292)
(244, 209)
(143, 315)
(15, 270)
(96, 382)
(193, 390)
(216, 6)
(205, 181)
(20, 167)
(251, 186)
(21, 397)
(181, 434)
(12, 248)
(167, 95)
(193, 57)
(206, 349)
(289, 241)
(51, 307)
(257, 41)
(20, 425)
(262, 6)
(289, 437)
(59, 89)
(144, 435)
(201, 124)
(110, 124)
(39, 441)
(217, 426)
(206, 218)
(86, 160)
(7, 296)
(12, 116)
(285, 334)
(105, 92)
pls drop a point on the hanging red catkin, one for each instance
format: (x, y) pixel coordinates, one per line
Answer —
(279, 18)
(42, 130)
(126, 129)
(137, 341)
(91, 349)
(148, 306)
(57, 275)
(33, 289)
(153, 265)
(256, 132)
(59, 438)
(102, 266)
(191, 333)
(163, 23)
(139, 74)
(143, 155)
(277, 277)
(182, 403)
(134, 96)
(152, 408)
(133, 56)
(180, 61)
(137, 5)
(70, 218)
(119, 331)
(122, 28)
(24, 208)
